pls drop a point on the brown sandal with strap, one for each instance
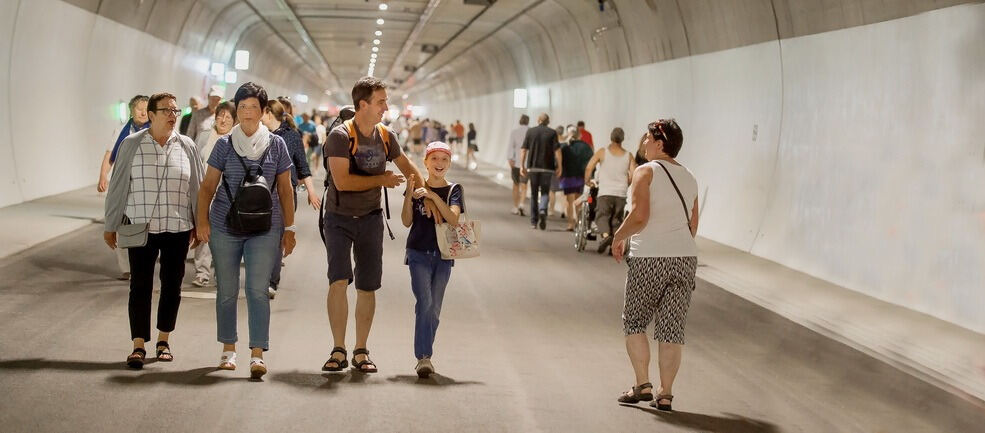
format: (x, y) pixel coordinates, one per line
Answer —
(136, 358)
(663, 407)
(334, 364)
(359, 365)
(637, 395)
(164, 352)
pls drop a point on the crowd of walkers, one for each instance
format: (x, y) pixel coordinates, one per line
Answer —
(225, 184)
(419, 132)
(223, 181)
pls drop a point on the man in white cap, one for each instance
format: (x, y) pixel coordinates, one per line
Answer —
(203, 118)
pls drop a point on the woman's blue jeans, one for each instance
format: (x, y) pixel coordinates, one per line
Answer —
(429, 276)
(259, 252)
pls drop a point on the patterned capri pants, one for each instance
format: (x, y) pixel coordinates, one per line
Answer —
(659, 289)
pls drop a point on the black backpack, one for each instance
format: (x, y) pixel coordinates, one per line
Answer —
(251, 211)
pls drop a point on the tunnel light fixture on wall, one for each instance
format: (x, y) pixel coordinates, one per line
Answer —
(231, 77)
(417, 110)
(219, 70)
(202, 65)
(379, 21)
(302, 98)
(242, 60)
(519, 98)
(123, 112)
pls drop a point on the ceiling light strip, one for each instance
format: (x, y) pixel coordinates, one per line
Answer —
(422, 21)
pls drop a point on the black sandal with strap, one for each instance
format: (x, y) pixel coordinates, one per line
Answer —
(164, 355)
(637, 395)
(663, 407)
(337, 364)
(136, 358)
(358, 365)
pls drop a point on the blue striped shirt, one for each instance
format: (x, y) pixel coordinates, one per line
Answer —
(224, 159)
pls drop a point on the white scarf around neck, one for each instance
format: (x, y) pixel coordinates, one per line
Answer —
(250, 147)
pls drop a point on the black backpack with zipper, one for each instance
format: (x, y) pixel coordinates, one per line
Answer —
(251, 211)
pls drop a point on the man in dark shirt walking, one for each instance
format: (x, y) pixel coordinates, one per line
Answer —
(541, 157)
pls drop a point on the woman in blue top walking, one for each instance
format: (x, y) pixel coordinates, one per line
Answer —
(429, 273)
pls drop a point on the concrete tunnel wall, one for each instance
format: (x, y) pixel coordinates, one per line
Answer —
(64, 68)
(850, 151)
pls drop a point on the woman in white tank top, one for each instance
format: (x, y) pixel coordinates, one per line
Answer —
(662, 261)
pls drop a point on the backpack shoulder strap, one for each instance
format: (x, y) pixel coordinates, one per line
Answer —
(350, 129)
(385, 135)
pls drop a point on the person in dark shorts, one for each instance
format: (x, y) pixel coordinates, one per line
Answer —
(513, 157)
(357, 154)
(575, 154)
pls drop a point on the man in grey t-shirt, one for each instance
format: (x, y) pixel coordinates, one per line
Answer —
(353, 224)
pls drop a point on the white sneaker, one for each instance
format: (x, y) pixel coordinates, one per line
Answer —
(271, 292)
(515, 211)
(201, 281)
(424, 368)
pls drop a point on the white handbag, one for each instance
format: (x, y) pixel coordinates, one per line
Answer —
(459, 241)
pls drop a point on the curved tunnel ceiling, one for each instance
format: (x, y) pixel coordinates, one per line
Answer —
(451, 49)
(560, 39)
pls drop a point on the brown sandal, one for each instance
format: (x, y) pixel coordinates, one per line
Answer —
(637, 395)
(334, 364)
(136, 358)
(664, 407)
(164, 352)
(359, 365)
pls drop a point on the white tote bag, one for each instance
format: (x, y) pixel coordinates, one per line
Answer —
(459, 241)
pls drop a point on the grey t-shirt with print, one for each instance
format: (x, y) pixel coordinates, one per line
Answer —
(369, 160)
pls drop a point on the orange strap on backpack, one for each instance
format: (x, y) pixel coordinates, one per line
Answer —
(350, 127)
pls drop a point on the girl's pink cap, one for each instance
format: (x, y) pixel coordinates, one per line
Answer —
(437, 146)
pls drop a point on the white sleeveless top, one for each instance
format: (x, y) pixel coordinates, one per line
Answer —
(614, 174)
(667, 233)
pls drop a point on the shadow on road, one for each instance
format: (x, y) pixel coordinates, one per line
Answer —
(435, 380)
(196, 377)
(54, 364)
(730, 423)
